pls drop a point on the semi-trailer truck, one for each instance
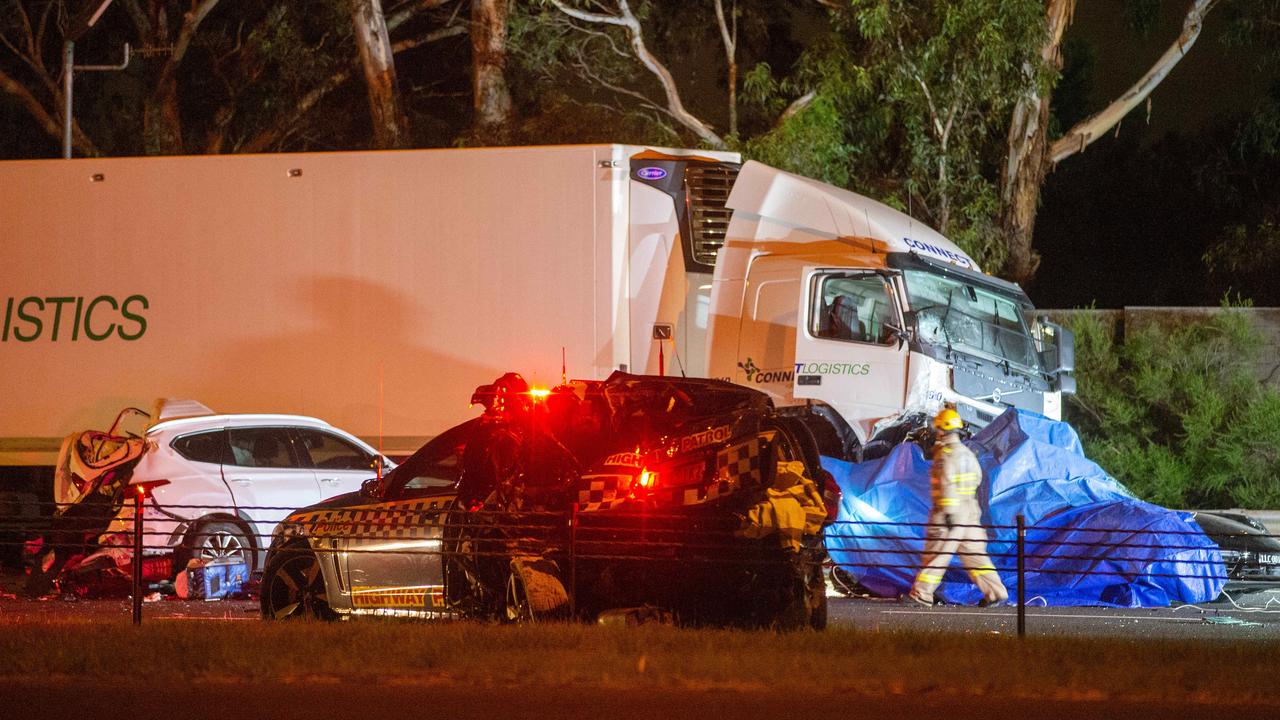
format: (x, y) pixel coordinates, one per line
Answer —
(376, 290)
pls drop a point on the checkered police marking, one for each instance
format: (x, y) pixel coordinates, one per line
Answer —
(399, 520)
(735, 465)
(603, 491)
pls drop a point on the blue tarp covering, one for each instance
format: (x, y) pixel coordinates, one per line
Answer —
(1089, 541)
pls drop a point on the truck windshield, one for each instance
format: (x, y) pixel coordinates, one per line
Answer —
(968, 317)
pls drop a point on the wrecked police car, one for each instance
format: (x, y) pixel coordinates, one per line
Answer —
(635, 496)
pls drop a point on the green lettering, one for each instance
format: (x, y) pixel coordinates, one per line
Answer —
(88, 318)
(34, 320)
(75, 329)
(139, 319)
(57, 303)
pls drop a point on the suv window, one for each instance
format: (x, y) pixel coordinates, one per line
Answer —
(331, 452)
(209, 446)
(261, 447)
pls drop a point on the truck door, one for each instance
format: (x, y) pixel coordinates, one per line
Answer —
(847, 353)
(766, 341)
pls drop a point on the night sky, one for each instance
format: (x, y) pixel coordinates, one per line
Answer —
(1126, 222)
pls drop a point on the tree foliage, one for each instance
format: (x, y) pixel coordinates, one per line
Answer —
(1243, 181)
(1177, 411)
(912, 103)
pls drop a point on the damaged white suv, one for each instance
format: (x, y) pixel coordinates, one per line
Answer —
(232, 478)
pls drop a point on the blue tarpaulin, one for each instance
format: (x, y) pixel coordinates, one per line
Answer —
(1089, 541)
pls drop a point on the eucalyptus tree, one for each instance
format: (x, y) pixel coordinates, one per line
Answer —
(210, 76)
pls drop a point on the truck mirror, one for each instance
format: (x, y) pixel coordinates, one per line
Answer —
(1066, 350)
(1059, 354)
(897, 333)
(1067, 384)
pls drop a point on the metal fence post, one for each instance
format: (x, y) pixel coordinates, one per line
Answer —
(139, 497)
(1022, 576)
(137, 555)
(573, 562)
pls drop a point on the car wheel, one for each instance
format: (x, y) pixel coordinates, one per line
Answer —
(293, 586)
(805, 604)
(220, 540)
(534, 591)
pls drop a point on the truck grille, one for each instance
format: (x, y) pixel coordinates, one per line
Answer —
(707, 186)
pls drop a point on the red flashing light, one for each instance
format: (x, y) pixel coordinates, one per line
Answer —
(643, 484)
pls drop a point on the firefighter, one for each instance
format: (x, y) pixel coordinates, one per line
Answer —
(954, 521)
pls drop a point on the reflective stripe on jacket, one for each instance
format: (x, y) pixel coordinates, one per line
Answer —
(954, 478)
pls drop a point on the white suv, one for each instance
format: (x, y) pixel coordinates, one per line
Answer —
(232, 478)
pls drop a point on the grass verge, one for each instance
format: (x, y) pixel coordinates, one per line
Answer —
(837, 661)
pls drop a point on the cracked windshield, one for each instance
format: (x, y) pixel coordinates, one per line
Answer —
(968, 318)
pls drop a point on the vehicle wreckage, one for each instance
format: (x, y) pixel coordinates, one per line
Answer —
(637, 495)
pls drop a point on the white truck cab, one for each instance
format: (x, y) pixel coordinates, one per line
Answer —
(860, 316)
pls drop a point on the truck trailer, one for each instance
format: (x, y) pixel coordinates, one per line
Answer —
(376, 290)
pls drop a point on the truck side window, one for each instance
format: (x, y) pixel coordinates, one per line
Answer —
(852, 308)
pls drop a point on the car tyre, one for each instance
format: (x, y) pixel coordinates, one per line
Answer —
(805, 602)
(534, 591)
(293, 586)
(218, 540)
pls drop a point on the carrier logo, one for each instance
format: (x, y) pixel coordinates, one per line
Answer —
(651, 173)
(70, 317)
(761, 377)
(954, 257)
(704, 438)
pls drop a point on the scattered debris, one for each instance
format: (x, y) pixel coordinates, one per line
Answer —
(1228, 620)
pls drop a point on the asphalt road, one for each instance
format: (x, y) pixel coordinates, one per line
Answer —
(1251, 612)
(1246, 611)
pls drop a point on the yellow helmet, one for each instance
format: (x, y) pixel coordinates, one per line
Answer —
(947, 421)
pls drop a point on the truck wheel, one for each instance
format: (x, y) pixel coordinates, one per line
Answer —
(293, 586)
(217, 540)
(534, 591)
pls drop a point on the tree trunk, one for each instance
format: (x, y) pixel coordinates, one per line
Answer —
(390, 125)
(161, 117)
(491, 98)
(675, 106)
(1026, 164)
(161, 121)
(729, 37)
(1086, 131)
(1031, 157)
